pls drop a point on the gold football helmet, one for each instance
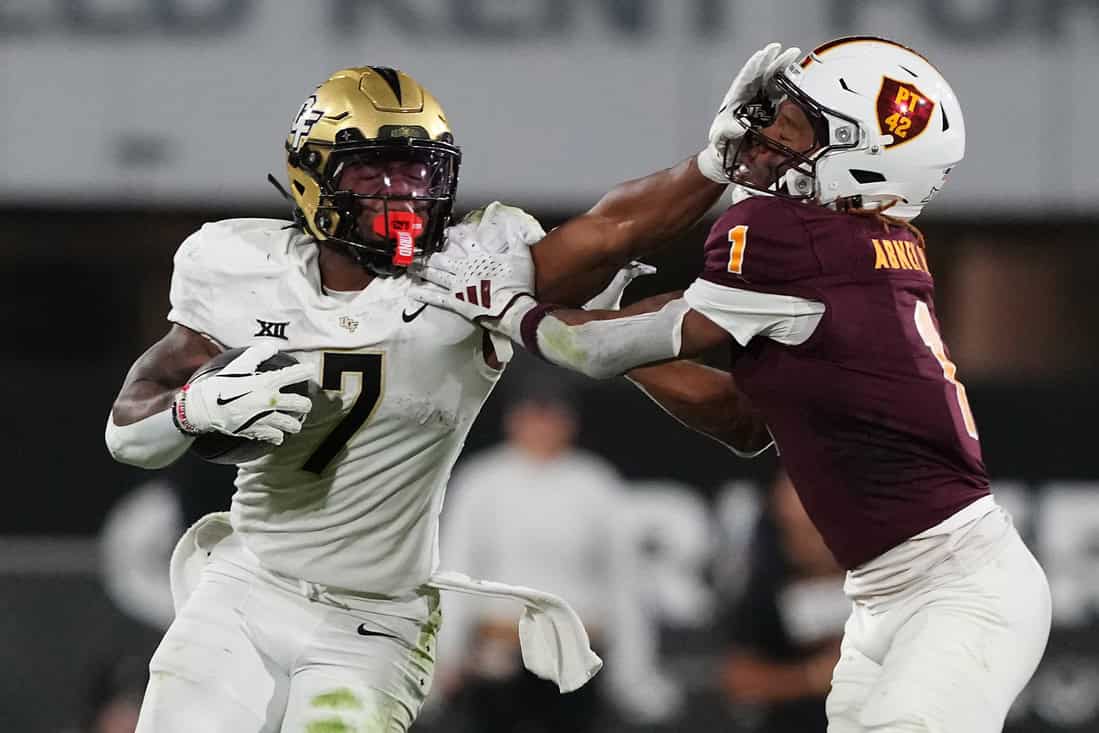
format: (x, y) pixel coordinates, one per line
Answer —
(373, 166)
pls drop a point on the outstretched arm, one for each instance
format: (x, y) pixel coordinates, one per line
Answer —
(605, 343)
(655, 334)
(646, 340)
(706, 400)
(577, 259)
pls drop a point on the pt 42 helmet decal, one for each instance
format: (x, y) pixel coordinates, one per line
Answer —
(903, 111)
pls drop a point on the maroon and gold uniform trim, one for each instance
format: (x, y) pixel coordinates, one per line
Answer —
(854, 39)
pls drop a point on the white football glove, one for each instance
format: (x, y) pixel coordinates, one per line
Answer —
(755, 75)
(240, 401)
(479, 286)
(495, 228)
(611, 297)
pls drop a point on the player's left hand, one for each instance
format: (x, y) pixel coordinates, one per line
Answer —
(754, 77)
(480, 286)
(611, 297)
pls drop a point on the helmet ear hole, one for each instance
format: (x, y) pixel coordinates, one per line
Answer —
(327, 222)
(865, 176)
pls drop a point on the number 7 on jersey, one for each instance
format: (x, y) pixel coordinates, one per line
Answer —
(335, 367)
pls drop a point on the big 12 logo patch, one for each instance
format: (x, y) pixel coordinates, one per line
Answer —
(903, 110)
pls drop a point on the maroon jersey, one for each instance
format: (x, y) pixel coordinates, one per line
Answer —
(873, 428)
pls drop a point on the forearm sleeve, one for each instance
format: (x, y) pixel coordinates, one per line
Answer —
(153, 442)
(606, 348)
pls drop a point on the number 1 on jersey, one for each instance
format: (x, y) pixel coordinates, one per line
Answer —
(738, 239)
(925, 325)
(335, 367)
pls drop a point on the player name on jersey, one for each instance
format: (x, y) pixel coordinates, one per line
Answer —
(899, 254)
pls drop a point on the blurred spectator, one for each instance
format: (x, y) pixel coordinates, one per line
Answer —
(785, 629)
(673, 528)
(136, 543)
(538, 511)
(142, 528)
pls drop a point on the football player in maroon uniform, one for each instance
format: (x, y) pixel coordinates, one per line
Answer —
(819, 283)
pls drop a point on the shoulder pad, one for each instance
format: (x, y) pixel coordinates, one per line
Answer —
(222, 260)
(238, 246)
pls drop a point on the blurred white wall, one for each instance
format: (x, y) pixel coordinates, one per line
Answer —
(552, 101)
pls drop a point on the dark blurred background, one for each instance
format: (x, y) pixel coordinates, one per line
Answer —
(128, 123)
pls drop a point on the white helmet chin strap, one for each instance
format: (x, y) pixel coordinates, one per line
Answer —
(740, 193)
(789, 180)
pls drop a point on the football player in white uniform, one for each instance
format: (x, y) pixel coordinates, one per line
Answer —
(313, 609)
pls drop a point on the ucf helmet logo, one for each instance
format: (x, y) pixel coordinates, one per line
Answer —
(903, 111)
(303, 123)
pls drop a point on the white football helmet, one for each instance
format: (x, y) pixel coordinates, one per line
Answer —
(887, 126)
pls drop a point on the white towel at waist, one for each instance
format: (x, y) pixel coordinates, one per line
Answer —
(554, 643)
(553, 640)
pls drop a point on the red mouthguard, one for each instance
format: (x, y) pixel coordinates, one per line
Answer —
(404, 227)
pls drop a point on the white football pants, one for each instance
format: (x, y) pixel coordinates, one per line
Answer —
(253, 652)
(946, 630)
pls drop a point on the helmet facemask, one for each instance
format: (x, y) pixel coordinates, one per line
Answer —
(762, 163)
(363, 117)
(886, 129)
(381, 228)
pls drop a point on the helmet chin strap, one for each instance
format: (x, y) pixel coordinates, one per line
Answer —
(403, 227)
(740, 193)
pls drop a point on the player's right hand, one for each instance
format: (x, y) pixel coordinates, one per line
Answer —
(239, 400)
(726, 130)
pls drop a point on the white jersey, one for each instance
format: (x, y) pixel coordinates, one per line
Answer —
(353, 500)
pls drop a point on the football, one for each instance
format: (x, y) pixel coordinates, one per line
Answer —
(222, 448)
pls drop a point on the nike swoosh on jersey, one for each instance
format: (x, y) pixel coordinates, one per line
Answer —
(363, 631)
(410, 318)
(223, 401)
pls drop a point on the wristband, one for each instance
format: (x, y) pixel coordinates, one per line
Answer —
(528, 328)
(179, 413)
